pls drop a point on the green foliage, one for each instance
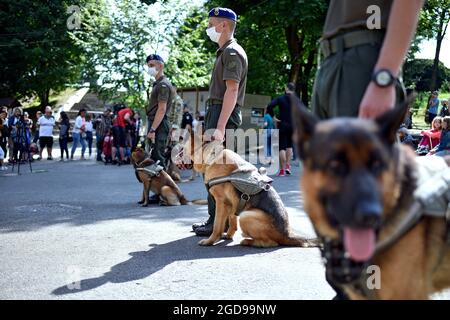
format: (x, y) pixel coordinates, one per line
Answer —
(191, 52)
(417, 74)
(37, 53)
(279, 37)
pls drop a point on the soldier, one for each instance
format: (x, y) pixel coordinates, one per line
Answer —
(226, 89)
(160, 103)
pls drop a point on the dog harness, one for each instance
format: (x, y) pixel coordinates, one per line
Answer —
(152, 170)
(248, 183)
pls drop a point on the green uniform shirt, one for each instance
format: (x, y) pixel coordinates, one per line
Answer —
(162, 92)
(231, 64)
(351, 15)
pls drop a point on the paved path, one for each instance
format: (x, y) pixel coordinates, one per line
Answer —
(79, 220)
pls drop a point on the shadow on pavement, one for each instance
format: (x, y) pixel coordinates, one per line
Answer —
(142, 264)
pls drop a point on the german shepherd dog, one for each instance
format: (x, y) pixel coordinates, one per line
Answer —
(162, 184)
(264, 220)
(358, 187)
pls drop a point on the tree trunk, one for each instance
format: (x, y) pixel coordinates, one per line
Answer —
(295, 47)
(306, 76)
(44, 98)
(440, 37)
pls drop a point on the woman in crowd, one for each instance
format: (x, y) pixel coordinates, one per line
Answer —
(89, 133)
(64, 127)
(79, 134)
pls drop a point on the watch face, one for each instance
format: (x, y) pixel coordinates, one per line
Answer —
(383, 78)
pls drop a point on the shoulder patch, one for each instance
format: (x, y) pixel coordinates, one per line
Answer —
(233, 53)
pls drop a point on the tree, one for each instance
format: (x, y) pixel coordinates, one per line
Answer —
(117, 40)
(37, 53)
(433, 24)
(281, 40)
(418, 74)
(191, 53)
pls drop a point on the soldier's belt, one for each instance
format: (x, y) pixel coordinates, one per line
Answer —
(214, 102)
(350, 40)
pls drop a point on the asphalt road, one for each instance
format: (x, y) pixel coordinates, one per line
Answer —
(74, 230)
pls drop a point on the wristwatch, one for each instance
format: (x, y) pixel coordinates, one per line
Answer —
(383, 78)
(152, 130)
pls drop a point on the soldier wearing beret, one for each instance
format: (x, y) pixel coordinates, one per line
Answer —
(159, 107)
(226, 89)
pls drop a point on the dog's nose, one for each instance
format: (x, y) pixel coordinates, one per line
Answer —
(368, 214)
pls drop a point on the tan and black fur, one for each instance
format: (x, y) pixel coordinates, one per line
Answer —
(162, 185)
(351, 161)
(264, 221)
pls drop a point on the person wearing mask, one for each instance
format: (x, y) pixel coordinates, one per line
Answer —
(159, 107)
(226, 90)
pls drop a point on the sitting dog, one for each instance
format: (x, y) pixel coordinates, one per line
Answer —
(360, 191)
(154, 178)
(262, 215)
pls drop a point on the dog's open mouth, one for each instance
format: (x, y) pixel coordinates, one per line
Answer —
(360, 244)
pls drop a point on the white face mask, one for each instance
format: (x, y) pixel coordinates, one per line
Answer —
(213, 34)
(152, 71)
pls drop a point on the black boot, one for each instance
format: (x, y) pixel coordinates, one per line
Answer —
(197, 225)
(154, 199)
(206, 229)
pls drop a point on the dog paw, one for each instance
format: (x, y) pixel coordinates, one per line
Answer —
(205, 242)
(226, 236)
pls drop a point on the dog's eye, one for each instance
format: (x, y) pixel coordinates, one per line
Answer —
(376, 166)
(337, 167)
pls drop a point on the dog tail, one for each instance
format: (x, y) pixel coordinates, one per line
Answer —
(199, 202)
(297, 241)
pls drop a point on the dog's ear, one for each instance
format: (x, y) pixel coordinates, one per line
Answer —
(304, 125)
(390, 121)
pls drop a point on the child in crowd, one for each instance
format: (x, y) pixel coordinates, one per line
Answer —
(443, 148)
(107, 147)
(430, 138)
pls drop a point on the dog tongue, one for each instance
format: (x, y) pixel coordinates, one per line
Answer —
(359, 243)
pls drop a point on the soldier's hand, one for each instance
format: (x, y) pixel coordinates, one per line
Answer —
(218, 135)
(151, 136)
(376, 101)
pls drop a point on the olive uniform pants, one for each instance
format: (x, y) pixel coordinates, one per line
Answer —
(159, 146)
(211, 120)
(342, 80)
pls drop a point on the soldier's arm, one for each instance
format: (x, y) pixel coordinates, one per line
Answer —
(400, 31)
(229, 102)
(162, 105)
